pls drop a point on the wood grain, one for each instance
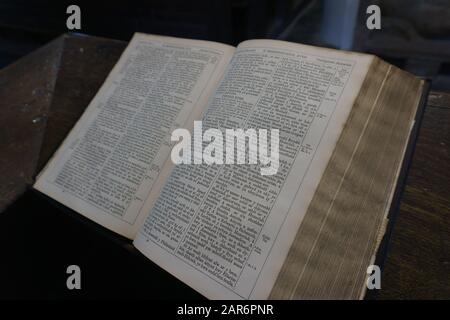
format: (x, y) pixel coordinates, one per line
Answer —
(26, 89)
(41, 97)
(418, 258)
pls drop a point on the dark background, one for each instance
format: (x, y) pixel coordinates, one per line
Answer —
(39, 239)
(415, 34)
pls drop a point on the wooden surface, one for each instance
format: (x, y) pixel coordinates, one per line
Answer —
(43, 94)
(26, 91)
(41, 97)
(418, 258)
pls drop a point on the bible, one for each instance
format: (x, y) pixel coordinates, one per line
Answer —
(310, 230)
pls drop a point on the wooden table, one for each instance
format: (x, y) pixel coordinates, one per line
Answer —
(418, 259)
(41, 97)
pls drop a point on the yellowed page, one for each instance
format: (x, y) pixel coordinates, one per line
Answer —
(119, 150)
(216, 243)
(345, 220)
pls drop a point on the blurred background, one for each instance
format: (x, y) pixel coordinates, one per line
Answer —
(415, 34)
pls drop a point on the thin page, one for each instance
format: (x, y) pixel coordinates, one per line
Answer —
(116, 153)
(225, 230)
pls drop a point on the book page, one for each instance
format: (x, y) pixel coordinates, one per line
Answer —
(225, 230)
(118, 150)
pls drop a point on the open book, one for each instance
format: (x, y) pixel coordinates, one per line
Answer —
(308, 231)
